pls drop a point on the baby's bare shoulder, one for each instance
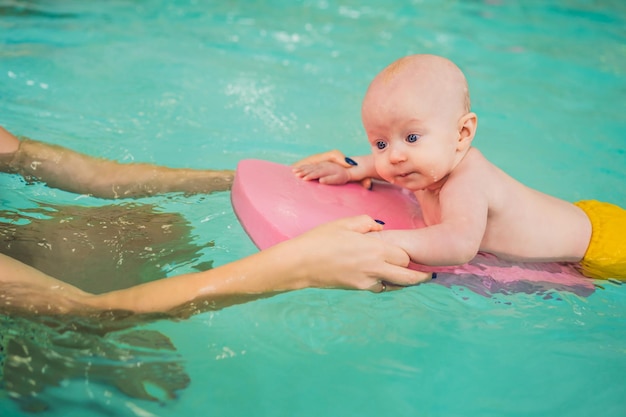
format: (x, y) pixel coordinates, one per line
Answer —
(475, 169)
(478, 179)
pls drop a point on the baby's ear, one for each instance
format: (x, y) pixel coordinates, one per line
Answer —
(467, 129)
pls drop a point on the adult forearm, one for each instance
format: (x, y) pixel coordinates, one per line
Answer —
(72, 171)
(25, 289)
(258, 274)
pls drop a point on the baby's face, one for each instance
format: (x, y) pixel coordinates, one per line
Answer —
(413, 133)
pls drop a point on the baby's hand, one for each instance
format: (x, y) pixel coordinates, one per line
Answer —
(325, 172)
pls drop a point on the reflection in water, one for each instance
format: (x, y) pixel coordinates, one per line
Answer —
(30, 10)
(97, 249)
(41, 352)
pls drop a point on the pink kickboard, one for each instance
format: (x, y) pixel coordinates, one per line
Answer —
(273, 205)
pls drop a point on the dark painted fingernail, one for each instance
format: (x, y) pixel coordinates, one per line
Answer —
(434, 276)
(379, 221)
(351, 161)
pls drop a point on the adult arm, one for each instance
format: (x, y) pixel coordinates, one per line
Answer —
(72, 171)
(339, 255)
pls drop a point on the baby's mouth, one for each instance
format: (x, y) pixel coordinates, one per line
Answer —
(400, 178)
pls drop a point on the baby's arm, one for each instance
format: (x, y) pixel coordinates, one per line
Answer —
(456, 238)
(437, 245)
(63, 168)
(334, 168)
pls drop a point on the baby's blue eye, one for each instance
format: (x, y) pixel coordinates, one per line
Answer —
(381, 144)
(412, 138)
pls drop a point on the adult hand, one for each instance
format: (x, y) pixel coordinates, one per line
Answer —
(330, 156)
(325, 172)
(317, 167)
(341, 254)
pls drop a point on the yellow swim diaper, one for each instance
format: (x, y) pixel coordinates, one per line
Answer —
(606, 254)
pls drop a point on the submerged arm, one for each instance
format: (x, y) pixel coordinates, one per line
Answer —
(63, 168)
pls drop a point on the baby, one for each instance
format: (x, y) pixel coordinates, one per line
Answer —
(418, 121)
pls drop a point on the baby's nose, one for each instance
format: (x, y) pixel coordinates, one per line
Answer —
(396, 155)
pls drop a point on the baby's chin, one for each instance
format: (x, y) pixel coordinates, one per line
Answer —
(409, 182)
(401, 184)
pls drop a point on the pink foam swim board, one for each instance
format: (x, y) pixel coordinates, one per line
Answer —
(273, 205)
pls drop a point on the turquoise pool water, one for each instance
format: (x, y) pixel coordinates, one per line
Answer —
(205, 84)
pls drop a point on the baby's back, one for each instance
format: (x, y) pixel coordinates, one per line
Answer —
(525, 224)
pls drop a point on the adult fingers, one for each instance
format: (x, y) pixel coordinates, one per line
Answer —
(326, 172)
(305, 171)
(404, 277)
(397, 272)
(384, 286)
(335, 156)
(397, 276)
(379, 286)
(393, 254)
(362, 224)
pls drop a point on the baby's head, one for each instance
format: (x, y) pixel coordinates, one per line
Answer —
(416, 114)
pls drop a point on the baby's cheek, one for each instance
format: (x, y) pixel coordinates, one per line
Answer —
(379, 165)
